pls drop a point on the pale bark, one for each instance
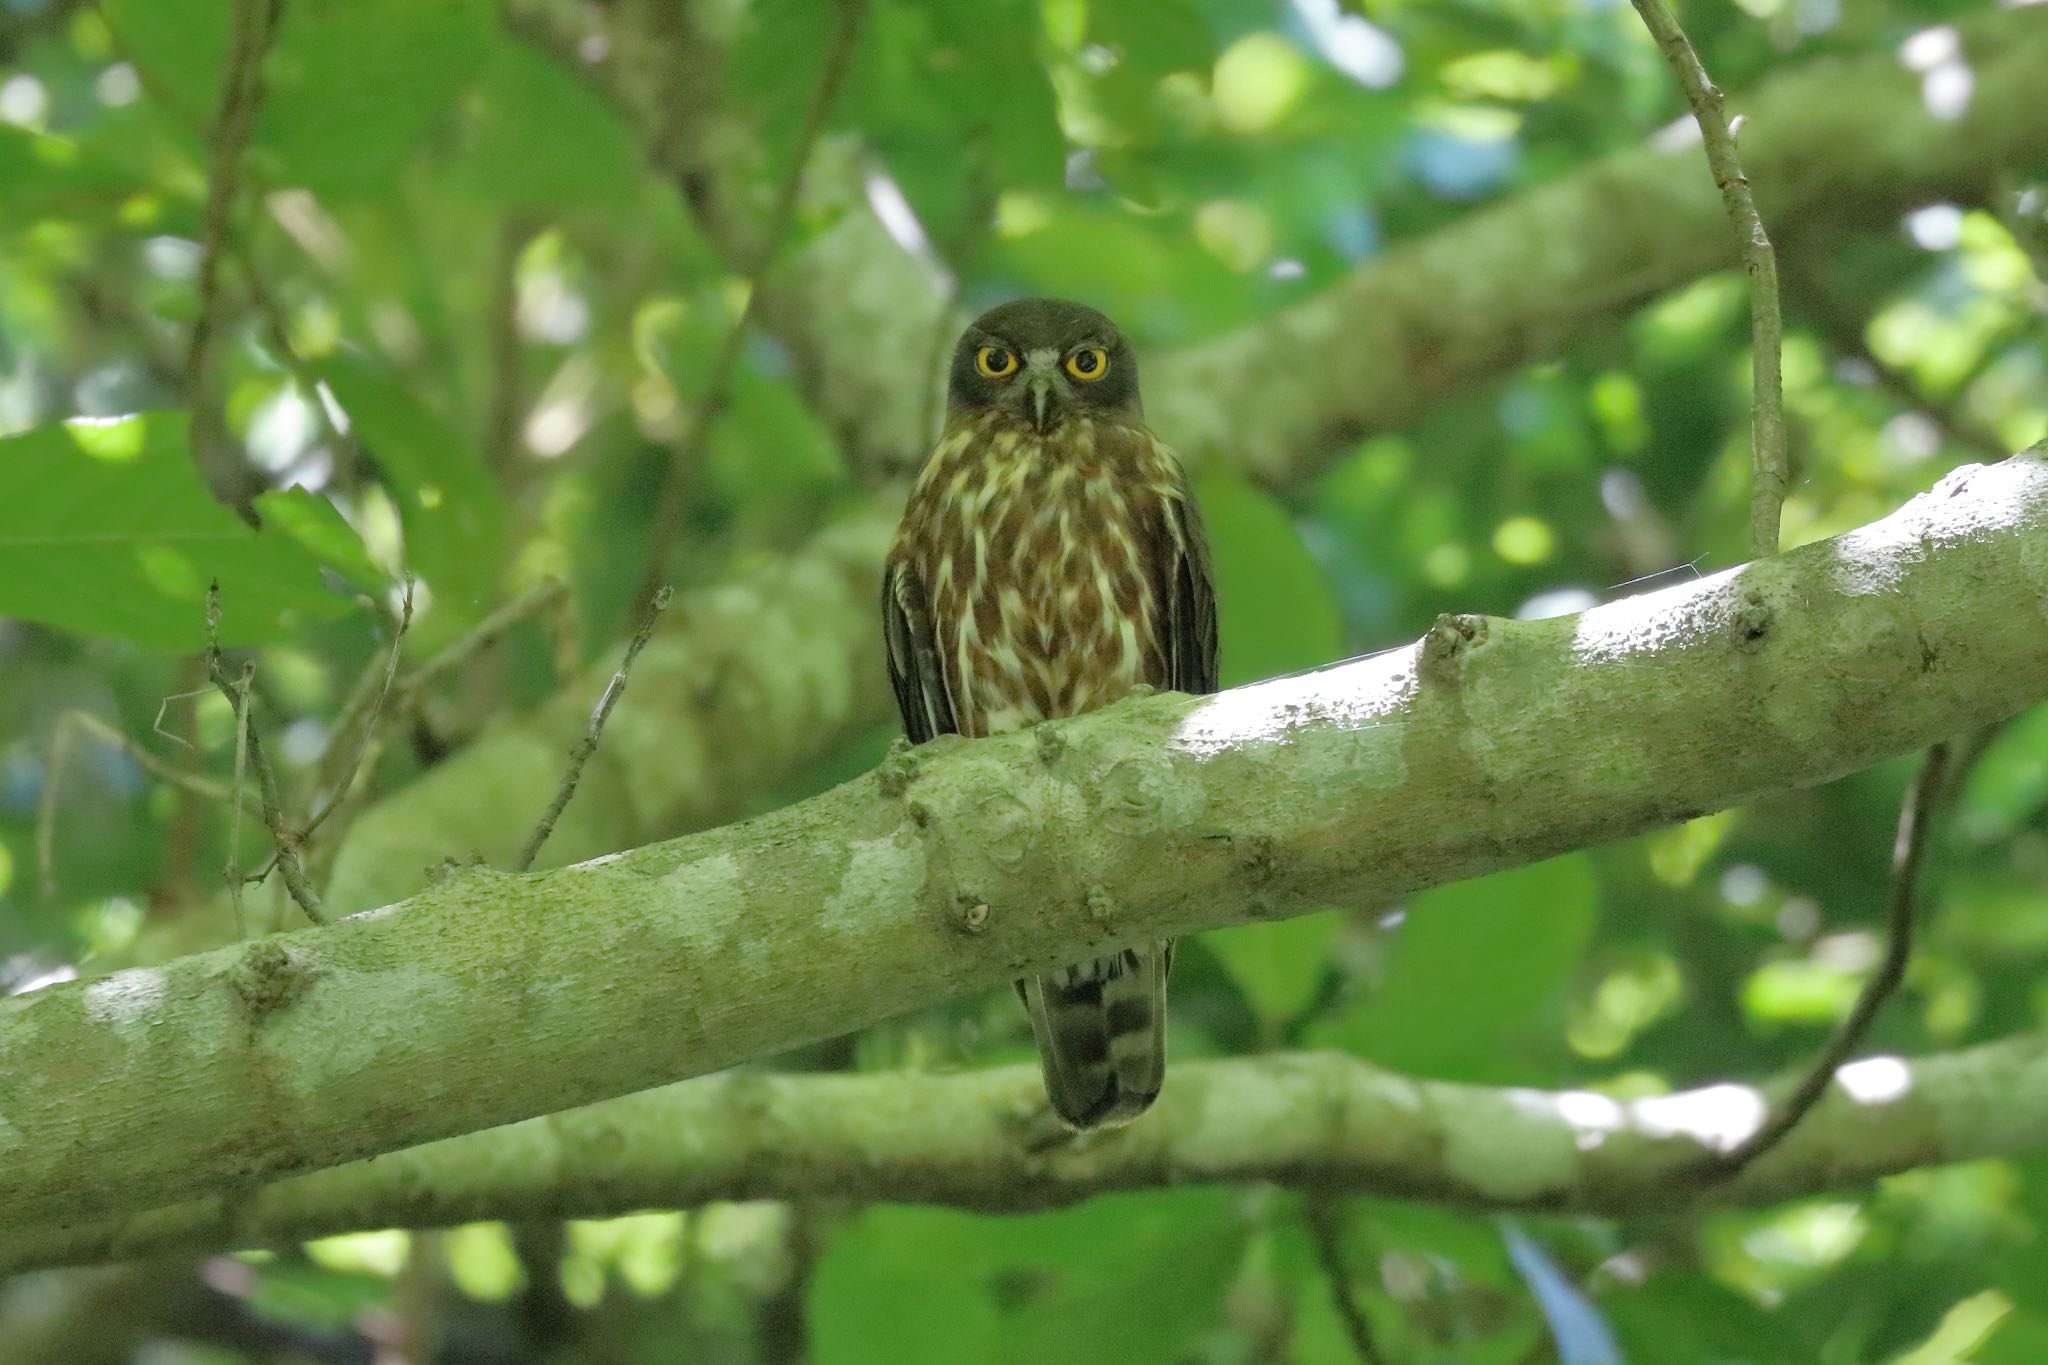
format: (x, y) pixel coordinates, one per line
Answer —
(490, 997)
(1313, 1121)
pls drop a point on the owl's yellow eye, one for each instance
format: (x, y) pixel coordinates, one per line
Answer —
(995, 363)
(1088, 364)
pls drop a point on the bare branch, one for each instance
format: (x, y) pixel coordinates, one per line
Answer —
(1768, 471)
(580, 755)
(1326, 1233)
(1909, 854)
(1321, 1122)
(347, 778)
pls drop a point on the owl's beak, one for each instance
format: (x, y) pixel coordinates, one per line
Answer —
(1041, 403)
(1041, 384)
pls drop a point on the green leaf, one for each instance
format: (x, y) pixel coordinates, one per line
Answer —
(356, 86)
(106, 529)
(2009, 783)
(1683, 1317)
(1475, 965)
(450, 506)
(315, 524)
(951, 96)
(179, 44)
(893, 1257)
(1136, 1277)
(769, 446)
(545, 140)
(1277, 967)
(1154, 40)
(1275, 612)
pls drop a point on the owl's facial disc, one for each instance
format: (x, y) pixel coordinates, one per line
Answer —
(1042, 362)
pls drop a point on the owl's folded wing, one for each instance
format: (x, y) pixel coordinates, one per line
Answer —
(914, 669)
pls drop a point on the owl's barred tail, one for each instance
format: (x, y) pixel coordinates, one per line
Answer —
(1101, 1030)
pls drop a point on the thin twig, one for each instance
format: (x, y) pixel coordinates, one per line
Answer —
(181, 841)
(358, 718)
(487, 632)
(1909, 854)
(233, 871)
(1326, 1232)
(710, 405)
(286, 839)
(251, 26)
(376, 706)
(1769, 475)
(365, 706)
(592, 732)
(192, 784)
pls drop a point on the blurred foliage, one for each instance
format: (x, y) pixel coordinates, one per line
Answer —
(462, 327)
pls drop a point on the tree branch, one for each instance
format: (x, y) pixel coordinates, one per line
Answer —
(1326, 1234)
(492, 997)
(1318, 1121)
(593, 732)
(1909, 855)
(1768, 471)
(1521, 280)
(1433, 316)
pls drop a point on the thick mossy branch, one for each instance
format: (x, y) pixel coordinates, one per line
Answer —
(491, 997)
(1316, 1121)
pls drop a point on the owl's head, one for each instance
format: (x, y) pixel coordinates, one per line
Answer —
(1042, 361)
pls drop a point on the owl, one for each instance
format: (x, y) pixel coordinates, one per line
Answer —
(1050, 559)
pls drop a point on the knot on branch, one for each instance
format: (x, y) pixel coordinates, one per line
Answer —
(1011, 831)
(1445, 645)
(1752, 621)
(1259, 859)
(1132, 796)
(268, 977)
(1051, 744)
(898, 770)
